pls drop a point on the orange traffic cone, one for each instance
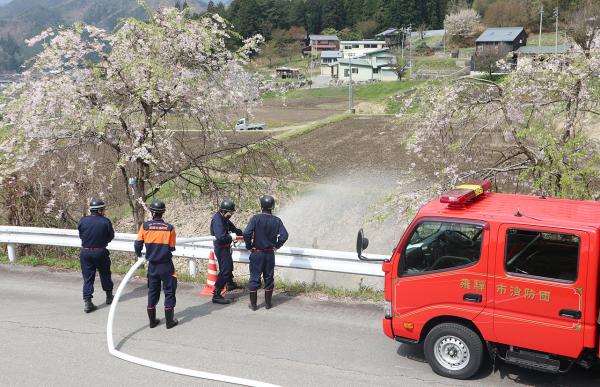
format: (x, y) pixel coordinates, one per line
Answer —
(211, 277)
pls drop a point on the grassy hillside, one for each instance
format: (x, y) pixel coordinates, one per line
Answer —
(370, 92)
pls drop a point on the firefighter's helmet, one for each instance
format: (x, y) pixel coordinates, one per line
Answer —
(267, 202)
(227, 205)
(158, 206)
(97, 204)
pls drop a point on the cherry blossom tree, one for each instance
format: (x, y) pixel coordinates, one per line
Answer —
(462, 25)
(132, 110)
(531, 131)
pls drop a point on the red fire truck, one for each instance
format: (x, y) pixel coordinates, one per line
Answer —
(512, 276)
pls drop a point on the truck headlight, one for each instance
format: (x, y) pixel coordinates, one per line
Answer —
(387, 309)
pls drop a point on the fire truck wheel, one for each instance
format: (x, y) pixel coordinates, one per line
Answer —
(454, 350)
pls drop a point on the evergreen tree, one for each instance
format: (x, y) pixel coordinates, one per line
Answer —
(333, 14)
(246, 17)
(221, 10)
(314, 16)
(210, 7)
(262, 16)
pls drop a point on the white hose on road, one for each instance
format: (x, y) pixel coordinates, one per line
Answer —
(159, 366)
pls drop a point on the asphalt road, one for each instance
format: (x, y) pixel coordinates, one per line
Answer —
(47, 340)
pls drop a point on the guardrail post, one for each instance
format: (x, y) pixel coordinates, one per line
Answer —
(192, 267)
(12, 252)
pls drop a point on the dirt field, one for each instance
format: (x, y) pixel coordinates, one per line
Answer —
(362, 143)
(277, 112)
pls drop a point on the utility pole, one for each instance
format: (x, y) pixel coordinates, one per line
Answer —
(556, 41)
(402, 48)
(541, 18)
(410, 50)
(350, 101)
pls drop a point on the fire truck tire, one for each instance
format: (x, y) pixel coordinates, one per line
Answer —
(454, 350)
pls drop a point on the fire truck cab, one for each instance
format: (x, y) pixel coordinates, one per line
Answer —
(511, 276)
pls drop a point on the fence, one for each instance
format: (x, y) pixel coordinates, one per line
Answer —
(198, 248)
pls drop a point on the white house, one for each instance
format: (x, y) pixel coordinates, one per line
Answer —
(357, 48)
(376, 65)
(329, 60)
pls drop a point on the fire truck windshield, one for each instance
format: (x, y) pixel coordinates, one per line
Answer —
(440, 245)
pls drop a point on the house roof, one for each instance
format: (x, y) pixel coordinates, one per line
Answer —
(323, 37)
(375, 51)
(500, 34)
(362, 42)
(331, 54)
(356, 62)
(388, 32)
(538, 50)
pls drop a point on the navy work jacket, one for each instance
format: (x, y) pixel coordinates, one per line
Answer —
(265, 231)
(220, 227)
(95, 231)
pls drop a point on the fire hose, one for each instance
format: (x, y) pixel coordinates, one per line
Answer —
(160, 366)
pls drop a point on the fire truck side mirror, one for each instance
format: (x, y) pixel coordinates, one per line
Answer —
(361, 244)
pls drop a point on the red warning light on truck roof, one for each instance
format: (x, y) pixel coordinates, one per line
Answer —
(463, 194)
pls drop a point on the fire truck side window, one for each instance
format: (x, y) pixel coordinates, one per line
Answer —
(542, 254)
(437, 246)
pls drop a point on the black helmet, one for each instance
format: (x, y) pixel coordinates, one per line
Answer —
(227, 205)
(97, 204)
(158, 206)
(267, 202)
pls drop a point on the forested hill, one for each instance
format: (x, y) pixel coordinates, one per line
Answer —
(22, 19)
(101, 13)
(368, 16)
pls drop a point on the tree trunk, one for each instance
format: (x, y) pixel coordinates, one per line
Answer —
(139, 214)
(139, 194)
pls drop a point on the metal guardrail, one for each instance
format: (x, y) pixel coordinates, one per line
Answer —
(198, 248)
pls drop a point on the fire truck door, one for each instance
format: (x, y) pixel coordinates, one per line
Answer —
(539, 287)
(443, 271)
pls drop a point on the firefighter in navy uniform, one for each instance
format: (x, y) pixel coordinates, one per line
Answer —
(95, 232)
(159, 238)
(264, 234)
(221, 227)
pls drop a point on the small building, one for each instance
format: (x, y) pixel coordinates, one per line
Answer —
(529, 54)
(287, 73)
(320, 43)
(495, 44)
(378, 65)
(501, 40)
(392, 37)
(329, 61)
(357, 48)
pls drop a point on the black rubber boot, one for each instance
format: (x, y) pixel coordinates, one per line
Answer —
(232, 286)
(109, 297)
(268, 295)
(152, 317)
(89, 306)
(253, 297)
(171, 321)
(218, 298)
